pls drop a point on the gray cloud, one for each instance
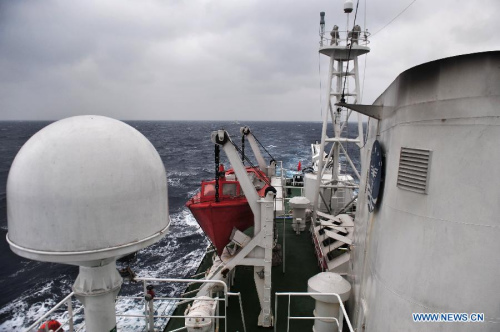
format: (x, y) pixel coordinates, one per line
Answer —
(200, 59)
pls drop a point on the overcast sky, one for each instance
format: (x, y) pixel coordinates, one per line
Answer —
(211, 60)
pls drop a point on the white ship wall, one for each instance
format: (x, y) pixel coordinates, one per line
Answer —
(440, 251)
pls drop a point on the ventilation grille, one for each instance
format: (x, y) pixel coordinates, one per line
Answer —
(413, 173)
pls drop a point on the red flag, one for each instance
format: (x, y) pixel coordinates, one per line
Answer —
(299, 166)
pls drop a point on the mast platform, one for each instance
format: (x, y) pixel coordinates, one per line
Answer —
(342, 52)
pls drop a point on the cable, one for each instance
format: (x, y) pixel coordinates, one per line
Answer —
(365, 16)
(258, 173)
(394, 18)
(241, 151)
(349, 54)
(272, 158)
(320, 88)
(363, 84)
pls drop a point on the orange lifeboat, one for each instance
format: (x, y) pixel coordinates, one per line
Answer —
(218, 216)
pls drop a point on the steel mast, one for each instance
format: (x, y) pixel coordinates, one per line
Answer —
(343, 48)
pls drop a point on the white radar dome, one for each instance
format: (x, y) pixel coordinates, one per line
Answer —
(348, 6)
(86, 188)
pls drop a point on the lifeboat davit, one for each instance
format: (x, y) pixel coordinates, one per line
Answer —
(218, 218)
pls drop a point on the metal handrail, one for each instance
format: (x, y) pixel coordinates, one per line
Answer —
(150, 317)
(343, 38)
(283, 182)
(339, 321)
(241, 310)
(71, 314)
(148, 313)
(185, 316)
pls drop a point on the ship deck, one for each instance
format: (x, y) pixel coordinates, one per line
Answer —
(300, 265)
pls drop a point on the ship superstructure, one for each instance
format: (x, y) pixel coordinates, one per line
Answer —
(430, 244)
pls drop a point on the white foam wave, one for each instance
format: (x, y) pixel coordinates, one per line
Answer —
(22, 313)
(177, 255)
(185, 218)
(181, 174)
(174, 182)
(192, 192)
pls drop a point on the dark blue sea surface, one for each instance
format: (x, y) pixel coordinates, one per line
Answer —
(29, 288)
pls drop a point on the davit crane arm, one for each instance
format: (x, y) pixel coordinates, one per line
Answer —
(221, 137)
(257, 252)
(255, 148)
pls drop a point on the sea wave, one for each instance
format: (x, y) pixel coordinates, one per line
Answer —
(31, 305)
(177, 255)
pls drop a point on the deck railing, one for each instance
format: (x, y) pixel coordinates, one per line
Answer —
(338, 320)
(343, 38)
(149, 312)
(155, 312)
(67, 324)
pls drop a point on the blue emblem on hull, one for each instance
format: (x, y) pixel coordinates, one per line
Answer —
(374, 176)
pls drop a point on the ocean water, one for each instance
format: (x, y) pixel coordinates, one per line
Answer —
(28, 288)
